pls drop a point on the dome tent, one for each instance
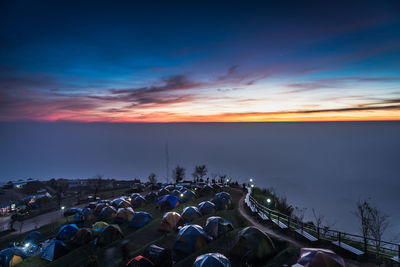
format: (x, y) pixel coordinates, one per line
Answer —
(190, 213)
(187, 196)
(138, 202)
(151, 196)
(176, 193)
(12, 256)
(115, 202)
(83, 236)
(34, 237)
(109, 235)
(170, 222)
(140, 219)
(161, 257)
(99, 207)
(253, 245)
(140, 261)
(217, 226)
(66, 232)
(88, 214)
(190, 238)
(222, 201)
(54, 249)
(108, 212)
(316, 257)
(168, 202)
(212, 260)
(124, 204)
(123, 215)
(162, 192)
(206, 207)
(99, 226)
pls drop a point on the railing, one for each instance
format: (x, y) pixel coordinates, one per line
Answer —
(385, 249)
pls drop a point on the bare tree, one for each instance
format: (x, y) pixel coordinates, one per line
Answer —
(363, 213)
(378, 224)
(152, 178)
(318, 218)
(199, 172)
(178, 173)
(222, 178)
(299, 214)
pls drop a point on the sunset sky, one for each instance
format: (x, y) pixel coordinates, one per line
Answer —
(199, 61)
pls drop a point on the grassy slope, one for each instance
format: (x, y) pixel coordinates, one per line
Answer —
(142, 237)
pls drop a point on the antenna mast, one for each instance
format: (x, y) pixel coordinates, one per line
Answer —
(167, 160)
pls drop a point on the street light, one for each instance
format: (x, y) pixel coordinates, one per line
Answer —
(252, 185)
(268, 201)
(251, 180)
(62, 208)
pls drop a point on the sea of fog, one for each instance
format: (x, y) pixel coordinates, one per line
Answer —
(325, 166)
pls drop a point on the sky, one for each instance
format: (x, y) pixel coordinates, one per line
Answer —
(199, 61)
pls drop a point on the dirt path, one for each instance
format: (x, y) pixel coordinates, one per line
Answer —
(295, 242)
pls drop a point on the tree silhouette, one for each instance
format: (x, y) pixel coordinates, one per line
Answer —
(152, 178)
(178, 173)
(199, 172)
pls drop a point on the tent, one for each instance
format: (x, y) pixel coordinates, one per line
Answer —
(99, 226)
(92, 205)
(216, 187)
(109, 235)
(151, 196)
(190, 238)
(34, 237)
(88, 214)
(54, 249)
(170, 187)
(168, 202)
(72, 211)
(12, 256)
(187, 196)
(140, 219)
(99, 207)
(316, 257)
(123, 215)
(138, 202)
(115, 202)
(217, 226)
(108, 212)
(190, 213)
(67, 231)
(170, 222)
(124, 204)
(207, 207)
(139, 261)
(161, 257)
(132, 196)
(162, 192)
(253, 245)
(176, 193)
(79, 217)
(222, 201)
(83, 236)
(212, 260)
(206, 189)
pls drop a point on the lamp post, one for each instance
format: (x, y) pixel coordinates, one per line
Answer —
(268, 202)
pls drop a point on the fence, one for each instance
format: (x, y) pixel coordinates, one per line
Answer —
(351, 242)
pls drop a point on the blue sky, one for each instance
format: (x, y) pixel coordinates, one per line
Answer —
(199, 61)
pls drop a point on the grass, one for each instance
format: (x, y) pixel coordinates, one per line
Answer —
(141, 238)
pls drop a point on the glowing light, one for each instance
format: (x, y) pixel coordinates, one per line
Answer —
(27, 245)
(269, 200)
(62, 208)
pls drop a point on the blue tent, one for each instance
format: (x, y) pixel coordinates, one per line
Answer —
(190, 213)
(34, 237)
(168, 201)
(66, 232)
(206, 207)
(140, 219)
(79, 217)
(187, 196)
(54, 250)
(191, 238)
(72, 211)
(32, 249)
(212, 260)
(12, 256)
(221, 203)
(88, 214)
